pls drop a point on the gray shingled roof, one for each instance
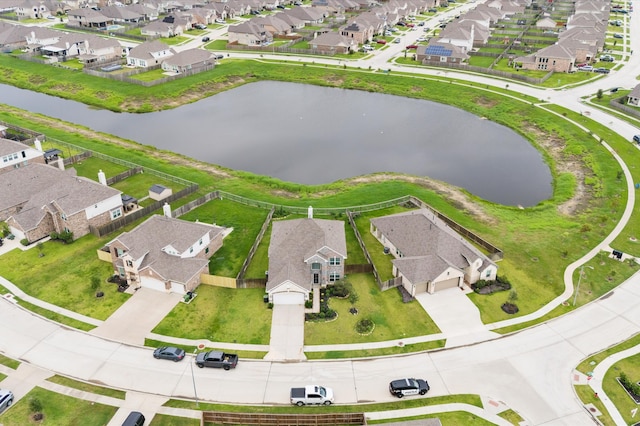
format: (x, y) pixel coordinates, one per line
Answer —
(66, 194)
(190, 57)
(19, 185)
(418, 233)
(154, 237)
(295, 241)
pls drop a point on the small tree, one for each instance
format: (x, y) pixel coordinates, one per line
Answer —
(35, 406)
(599, 94)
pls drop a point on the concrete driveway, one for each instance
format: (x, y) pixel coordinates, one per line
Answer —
(287, 333)
(456, 316)
(135, 319)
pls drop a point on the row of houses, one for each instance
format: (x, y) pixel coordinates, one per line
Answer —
(169, 254)
(92, 49)
(581, 41)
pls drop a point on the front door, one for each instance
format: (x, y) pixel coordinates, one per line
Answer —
(316, 278)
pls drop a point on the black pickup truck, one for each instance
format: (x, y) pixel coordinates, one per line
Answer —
(217, 359)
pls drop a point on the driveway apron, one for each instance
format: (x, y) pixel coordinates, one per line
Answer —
(135, 319)
(287, 333)
(456, 316)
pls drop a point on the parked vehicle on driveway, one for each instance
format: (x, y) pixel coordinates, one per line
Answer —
(607, 58)
(412, 46)
(585, 68)
(602, 70)
(6, 399)
(618, 35)
(169, 352)
(311, 394)
(217, 359)
(404, 387)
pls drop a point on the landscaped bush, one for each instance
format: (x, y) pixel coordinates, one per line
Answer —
(488, 287)
(326, 313)
(364, 326)
(308, 304)
(24, 242)
(632, 387)
(64, 236)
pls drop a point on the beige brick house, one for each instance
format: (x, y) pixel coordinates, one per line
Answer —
(38, 199)
(165, 254)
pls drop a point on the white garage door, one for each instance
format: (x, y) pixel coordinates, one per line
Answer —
(153, 284)
(290, 298)
(450, 283)
(177, 288)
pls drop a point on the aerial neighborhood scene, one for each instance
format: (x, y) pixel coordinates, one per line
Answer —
(316, 208)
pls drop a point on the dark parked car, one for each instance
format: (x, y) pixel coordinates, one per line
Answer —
(602, 70)
(618, 35)
(433, 10)
(607, 58)
(135, 418)
(169, 352)
(205, 39)
(636, 138)
(404, 387)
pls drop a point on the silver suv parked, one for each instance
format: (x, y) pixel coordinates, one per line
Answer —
(6, 399)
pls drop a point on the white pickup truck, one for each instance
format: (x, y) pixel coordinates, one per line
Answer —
(311, 394)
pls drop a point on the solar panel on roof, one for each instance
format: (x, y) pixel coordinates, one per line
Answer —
(438, 50)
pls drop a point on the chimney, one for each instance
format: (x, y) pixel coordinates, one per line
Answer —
(102, 178)
(37, 144)
(310, 212)
(166, 210)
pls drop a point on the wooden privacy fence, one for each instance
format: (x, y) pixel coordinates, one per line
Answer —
(218, 281)
(262, 419)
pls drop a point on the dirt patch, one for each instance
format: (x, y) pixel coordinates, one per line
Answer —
(554, 146)
(452, 194)
(485, 102)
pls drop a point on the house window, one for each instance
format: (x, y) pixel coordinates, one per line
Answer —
(334, 261)
(116, 213)
(121, 271)
(63, 216)
(206, 250)
(119, 252)
(334, 276)
(488, 274)
(315, 266)
(130, 263)
(190, 249)
(200, 242)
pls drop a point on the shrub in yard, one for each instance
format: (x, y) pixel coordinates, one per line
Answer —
(35, 406)
(632, 387)
(364, 326)
(270, 305)
(24, 242)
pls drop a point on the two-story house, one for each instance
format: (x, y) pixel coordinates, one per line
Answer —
(303, 253)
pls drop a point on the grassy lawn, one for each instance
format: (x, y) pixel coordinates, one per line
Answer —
(385, 406)
(221, 314)
(165, 420)
(586, 395)
(481, 61)
(217, 45)
(173, 41)
(453, 418)
(624, 403)
(53, 316)
(89, 168)
(246, 222)
(407, 320)
(58, 410)
(62, 276)
(87, 387)
(511, 416)
(394, 350)
(9, 362)
(138, 185)
(149, 75)
(260, 262)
